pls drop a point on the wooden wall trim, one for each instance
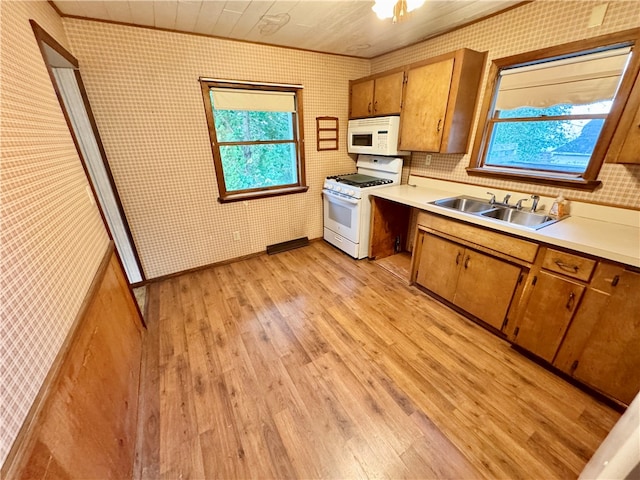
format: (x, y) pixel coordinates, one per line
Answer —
(13, 460)
(107, 322)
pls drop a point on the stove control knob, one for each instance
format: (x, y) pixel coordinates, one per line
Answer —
(351, 192)
(338, 189)
(330, 187)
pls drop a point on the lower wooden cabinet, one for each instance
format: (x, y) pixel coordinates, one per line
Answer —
(602, 346)
(476, 282)
(579, 313)
(547, 314)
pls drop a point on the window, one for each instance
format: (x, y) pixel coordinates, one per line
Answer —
(256, 138)
(550, 119)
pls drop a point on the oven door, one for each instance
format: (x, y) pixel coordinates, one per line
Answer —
(342, 215)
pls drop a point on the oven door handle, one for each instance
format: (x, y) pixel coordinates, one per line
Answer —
(332, 196)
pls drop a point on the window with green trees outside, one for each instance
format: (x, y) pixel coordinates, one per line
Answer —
(550, 114)
(256, 137)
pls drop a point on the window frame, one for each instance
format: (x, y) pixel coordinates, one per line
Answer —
(298, 141)
(587, 180)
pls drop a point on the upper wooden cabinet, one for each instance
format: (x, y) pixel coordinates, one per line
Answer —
(376, 95)
(625, 145)
(436, 100)
(439, 101)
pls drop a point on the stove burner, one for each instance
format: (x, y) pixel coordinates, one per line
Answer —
(359, 180)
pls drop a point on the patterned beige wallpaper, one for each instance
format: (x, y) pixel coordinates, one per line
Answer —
(536, 25)
(51, 238)
(144, 91)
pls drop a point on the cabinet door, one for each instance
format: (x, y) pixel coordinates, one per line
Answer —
(425, 104)
(625, 144)
(630, 152)
(387, 97)
(439, 265)
(547, 314)
(361, 101)
(485, 287)
(609, 359)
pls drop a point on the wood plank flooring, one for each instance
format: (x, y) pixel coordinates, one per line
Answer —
(308, 364)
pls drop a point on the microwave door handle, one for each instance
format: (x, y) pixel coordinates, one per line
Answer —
(331, 197)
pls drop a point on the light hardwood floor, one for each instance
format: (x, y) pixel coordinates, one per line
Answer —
(308, 364)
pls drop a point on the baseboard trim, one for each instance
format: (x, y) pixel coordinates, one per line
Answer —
(204, 267)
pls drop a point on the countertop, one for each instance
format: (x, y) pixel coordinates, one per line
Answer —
(618, 242)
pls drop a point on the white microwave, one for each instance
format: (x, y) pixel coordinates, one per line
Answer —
(374, 136)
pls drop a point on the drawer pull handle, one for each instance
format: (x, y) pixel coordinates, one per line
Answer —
(438, 127)
(466, 262)
(369, 107)
(567, 268)
(375, 106)
(571, 301)
(458, 258)
(615, 281)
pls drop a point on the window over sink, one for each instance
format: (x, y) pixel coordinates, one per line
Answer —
(549, 115)
(256, 138)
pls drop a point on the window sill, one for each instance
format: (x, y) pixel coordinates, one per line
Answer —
(239, 197)
(545, 178)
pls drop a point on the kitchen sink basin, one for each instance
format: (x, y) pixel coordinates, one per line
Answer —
(518, 217)
(464, 204)
(501, 213)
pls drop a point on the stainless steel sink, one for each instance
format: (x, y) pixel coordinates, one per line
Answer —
(465, 204)
(507, 214)
(518, 217)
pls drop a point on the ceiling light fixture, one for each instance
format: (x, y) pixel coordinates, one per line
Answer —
(395, 9)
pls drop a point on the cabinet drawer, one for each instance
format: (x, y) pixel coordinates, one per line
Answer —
(471, 235)
(568, 264)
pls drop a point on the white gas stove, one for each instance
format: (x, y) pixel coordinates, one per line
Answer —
(347, 209)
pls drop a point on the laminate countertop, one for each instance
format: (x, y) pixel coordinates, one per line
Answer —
(617, 240)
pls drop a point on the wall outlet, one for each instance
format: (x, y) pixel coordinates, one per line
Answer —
(427, 161)
(236, 236)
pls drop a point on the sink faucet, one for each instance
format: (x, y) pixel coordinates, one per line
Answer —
(536, 199)
(505, 201)
(519, 203)
(493, 198)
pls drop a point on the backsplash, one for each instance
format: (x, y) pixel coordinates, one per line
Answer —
(529, 27)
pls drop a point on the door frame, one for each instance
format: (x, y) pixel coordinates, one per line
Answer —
(43, 38)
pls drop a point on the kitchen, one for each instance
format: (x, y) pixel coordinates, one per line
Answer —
(161, 160)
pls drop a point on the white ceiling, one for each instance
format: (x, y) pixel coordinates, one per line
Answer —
(346, 27)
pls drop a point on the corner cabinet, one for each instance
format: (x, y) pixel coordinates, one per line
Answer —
(376, 95)
(439, 102)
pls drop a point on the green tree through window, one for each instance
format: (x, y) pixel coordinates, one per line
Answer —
(256, 140)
